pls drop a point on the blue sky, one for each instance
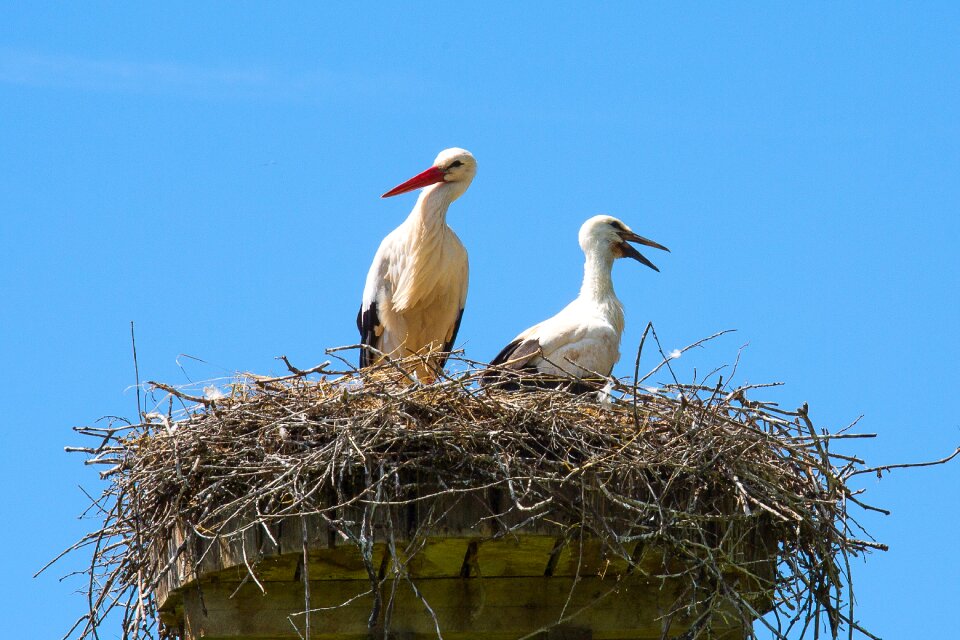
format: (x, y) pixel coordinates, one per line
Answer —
(213, 174)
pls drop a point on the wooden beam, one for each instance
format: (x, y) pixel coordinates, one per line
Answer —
(494, 608)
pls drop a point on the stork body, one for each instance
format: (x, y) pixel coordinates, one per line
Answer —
(583, 339)
(416, 287)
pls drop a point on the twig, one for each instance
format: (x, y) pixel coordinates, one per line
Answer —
(887, 467)
(136, 368)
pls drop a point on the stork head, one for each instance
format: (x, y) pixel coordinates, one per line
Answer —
(452, 166)
(608, 235)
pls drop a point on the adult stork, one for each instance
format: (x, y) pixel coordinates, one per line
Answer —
(583, 340)
(417, 285)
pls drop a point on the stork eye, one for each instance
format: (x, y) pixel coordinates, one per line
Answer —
(455, 163)
(616, 225)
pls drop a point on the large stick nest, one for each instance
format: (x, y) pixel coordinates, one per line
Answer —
(681, 467)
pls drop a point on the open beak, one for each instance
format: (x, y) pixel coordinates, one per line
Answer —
(432, 175)
(629, 251)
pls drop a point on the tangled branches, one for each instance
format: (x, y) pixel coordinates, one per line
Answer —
(741, 501)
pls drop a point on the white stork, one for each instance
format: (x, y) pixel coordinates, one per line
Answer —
(417, 285)
(583, 340)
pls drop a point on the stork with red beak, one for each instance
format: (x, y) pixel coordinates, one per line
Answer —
(417, 285)
(582, 340)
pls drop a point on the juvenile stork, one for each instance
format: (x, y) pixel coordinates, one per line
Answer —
(583, 340)
(417, 285)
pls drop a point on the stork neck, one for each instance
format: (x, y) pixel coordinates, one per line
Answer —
(597, 278)
(432, 205)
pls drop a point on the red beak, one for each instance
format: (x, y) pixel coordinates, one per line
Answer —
(432, 175)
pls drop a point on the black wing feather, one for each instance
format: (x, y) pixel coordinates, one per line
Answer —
(448, 345)
(367, 323)
(505, 353)
(516, 350)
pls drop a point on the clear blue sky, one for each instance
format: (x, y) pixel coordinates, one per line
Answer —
(213, 174)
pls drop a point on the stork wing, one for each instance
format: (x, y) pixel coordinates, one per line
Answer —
(463, 280)
(448, 345)
(518, 353)
(377, 293)
(516, 356)
(368, 323)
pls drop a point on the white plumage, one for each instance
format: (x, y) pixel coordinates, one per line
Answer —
(416, 287)
(583, 340)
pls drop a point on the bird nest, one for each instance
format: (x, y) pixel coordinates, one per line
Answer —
(697, 471)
